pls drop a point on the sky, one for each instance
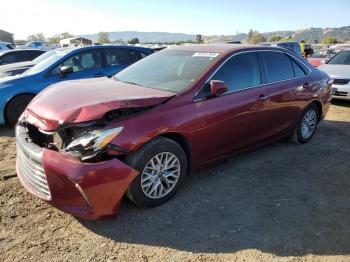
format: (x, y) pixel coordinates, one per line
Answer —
(206, 17)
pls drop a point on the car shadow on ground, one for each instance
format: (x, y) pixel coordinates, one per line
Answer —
(284, 199)
(7, 131)
(339, 102)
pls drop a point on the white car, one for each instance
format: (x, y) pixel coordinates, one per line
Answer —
(338, 67)
(6, 46)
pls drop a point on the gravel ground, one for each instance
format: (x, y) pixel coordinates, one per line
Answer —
(283, 202)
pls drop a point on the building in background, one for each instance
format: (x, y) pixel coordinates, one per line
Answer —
(6, 37)
(75, 41)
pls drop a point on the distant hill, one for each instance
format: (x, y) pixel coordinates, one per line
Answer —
(314, 34)
(145, 36)
(311, 34)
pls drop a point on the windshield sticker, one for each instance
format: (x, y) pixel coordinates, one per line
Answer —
(211, 55)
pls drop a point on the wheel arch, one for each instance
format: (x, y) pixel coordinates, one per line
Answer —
(11, 99)
(319, 107)
(183, 142)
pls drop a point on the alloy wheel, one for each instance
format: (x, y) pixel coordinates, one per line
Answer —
(308, 124)
(160, 175)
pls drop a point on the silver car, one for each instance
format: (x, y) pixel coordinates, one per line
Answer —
(338, 68)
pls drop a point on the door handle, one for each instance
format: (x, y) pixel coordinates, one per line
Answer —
(99, 75)
(262, 98)
(306, 85)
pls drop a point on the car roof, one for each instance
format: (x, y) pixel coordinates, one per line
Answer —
(76, 49)
(222, 48)
(22, 50)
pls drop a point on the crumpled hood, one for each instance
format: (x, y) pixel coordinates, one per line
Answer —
(336, 71)
(85, 100)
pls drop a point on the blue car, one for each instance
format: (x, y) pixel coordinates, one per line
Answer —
(65, 64)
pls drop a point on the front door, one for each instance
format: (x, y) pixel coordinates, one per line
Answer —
(236, 119)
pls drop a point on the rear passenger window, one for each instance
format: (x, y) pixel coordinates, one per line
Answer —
(240, 72)
(278, 66)
(115, 57)
(298, 70)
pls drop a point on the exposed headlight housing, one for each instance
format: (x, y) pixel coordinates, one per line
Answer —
(89, 144)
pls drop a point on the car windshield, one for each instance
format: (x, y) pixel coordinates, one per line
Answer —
(169, 70)
(324, 53)
(48, 61)
(43, 56)
(342, 58)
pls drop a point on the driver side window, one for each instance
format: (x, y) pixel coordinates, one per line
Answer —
(81, 62)
(242, 71)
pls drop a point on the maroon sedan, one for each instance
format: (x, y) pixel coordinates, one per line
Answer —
(83, 144)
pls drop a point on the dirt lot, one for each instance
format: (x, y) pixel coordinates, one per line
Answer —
(282, 202)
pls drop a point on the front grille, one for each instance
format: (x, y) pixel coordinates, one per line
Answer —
(338, 93)
(30, 167)
(341, 81)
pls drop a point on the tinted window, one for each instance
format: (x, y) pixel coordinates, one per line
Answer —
(115, 57)
(240, 72)
(278, 66)
(299, 71)
(28, 55)
(81, 62)
(10, 58)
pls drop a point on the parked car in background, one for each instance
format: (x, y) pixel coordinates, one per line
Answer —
(19, 55)
(338, 67)
(38, 45)
(141, 131)
(20, 67)
(6, 46)
(343, 46)
(73, 63)
(293, 46)
(321, 56)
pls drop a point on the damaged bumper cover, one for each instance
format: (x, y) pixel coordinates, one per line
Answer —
(86, 190)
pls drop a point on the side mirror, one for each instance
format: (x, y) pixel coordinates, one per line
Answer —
(217, 87)
(66, 70)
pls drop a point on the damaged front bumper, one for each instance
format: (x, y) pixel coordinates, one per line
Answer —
(86, 190)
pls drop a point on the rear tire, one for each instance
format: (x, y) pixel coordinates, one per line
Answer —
(306, 126)
(162, 164)
(15, 108)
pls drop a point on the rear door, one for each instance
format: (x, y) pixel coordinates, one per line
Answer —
(289, 85)
(237, 118)
(116, 59)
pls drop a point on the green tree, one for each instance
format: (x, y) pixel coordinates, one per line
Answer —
(55, 39)
(65, 35)
(250, 34)
(199, 39)
(103, 38)
(134, 41)
(36, 37)
(275, 38)
(329, 40)
(287, 39)
(256, 38)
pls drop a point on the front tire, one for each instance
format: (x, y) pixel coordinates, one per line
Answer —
(15, 108)
(162, 164)
(306, 126)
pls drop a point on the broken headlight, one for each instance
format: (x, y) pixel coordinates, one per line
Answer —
(88, 144)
